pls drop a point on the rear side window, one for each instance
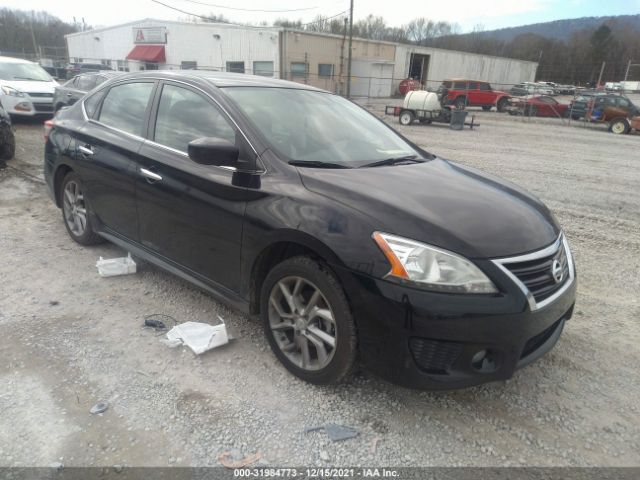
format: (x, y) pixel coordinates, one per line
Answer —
(124, 107)
(92, 102)
(459, 85)
(473, 85)
(184, 115)
(86, 82)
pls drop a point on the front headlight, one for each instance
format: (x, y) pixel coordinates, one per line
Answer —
(12, 91)
(431, 267)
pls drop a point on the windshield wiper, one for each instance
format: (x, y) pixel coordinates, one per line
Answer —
(29, 79)
(393, 161)
(317, 164)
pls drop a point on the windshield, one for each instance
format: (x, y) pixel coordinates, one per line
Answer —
(23, 71)
(311, 126)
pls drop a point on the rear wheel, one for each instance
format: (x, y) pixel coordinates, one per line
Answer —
(75, 211)
(308, 322)
(406, 117)
(619, 126)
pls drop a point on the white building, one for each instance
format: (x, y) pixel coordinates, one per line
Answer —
(306, 57)
(161, 44)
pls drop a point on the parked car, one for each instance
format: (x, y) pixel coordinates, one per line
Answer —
(528, 88)
(7, 138)
(74, 69)
(538, 106)
(472, 93)
(298, 205)
(76, 88)
(604, 108)
(25, 88)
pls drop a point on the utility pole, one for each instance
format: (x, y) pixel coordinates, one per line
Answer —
(601, 72)
(33, 35)
(349, 53)
(626, 74)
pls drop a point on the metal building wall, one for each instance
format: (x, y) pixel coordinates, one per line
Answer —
(445, 64)
(210, 45)
(315, 49)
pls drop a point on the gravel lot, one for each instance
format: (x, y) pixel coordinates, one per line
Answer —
(71, 339)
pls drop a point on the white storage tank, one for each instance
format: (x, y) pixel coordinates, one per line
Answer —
(421, 100)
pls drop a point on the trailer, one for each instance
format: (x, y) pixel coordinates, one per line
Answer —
(426, 107)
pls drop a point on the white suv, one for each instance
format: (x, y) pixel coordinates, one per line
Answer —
(25, 87)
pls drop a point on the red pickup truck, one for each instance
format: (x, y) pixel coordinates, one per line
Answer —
(473, 93)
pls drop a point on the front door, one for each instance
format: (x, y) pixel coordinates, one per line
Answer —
(190, 214)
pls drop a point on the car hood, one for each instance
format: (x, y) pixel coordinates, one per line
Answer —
(443, 204)
(30, 87)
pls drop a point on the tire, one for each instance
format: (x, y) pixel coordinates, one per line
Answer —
(532, 111)
(461, 103)
(486, 108)
(619, 126)
(406, 117)
(324, 363)
(501, 106)
(7, 143)
(77, 220)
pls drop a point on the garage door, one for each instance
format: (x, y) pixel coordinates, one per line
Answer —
(371, 79)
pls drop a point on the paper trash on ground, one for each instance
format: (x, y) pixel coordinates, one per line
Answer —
(199, 337)
(110, 267)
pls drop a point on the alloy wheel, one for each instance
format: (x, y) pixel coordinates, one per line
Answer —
(75, 211)
(302, 323)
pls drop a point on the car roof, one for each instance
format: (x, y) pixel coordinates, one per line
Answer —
(220, 79)
(464, 80)
(104, 73)
(13, 60)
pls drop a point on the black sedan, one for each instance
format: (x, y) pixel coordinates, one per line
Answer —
(347, 239)
(73, 90)
(7, 138)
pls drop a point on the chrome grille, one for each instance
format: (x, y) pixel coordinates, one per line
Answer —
(43, 95)
(542, 275)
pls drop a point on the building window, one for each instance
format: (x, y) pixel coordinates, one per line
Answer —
(263, 68)
(106, 63)
(122, 66)
(298, 69)
(325, 70)
(235, 67)
(188, 65)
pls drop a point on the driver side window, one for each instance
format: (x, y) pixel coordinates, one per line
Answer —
(184, 115)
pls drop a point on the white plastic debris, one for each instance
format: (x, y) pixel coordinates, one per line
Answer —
(199, 337)
(110, 267)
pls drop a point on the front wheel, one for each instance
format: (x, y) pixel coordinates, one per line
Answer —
(75, 211)
(406, 117)
(7, 143)
(619, 126)
(308, 321)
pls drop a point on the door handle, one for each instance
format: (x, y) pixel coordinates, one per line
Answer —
(149, 175)
(85, 150)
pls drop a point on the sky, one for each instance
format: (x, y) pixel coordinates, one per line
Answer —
(490, 14)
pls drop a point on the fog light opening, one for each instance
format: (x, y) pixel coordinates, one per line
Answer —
(485, 361)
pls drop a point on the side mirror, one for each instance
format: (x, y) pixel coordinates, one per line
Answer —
(213, 151)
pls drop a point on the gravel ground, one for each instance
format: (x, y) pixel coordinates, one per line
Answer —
(71, 339)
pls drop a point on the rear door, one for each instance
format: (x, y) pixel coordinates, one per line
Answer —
(485, 95)
(107, 152)
(473, 97)
(189, 213)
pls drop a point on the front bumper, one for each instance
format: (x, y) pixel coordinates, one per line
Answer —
(27, 106)
(433, 341)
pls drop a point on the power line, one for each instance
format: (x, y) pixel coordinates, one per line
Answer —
(204, 17)
(249, 9)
